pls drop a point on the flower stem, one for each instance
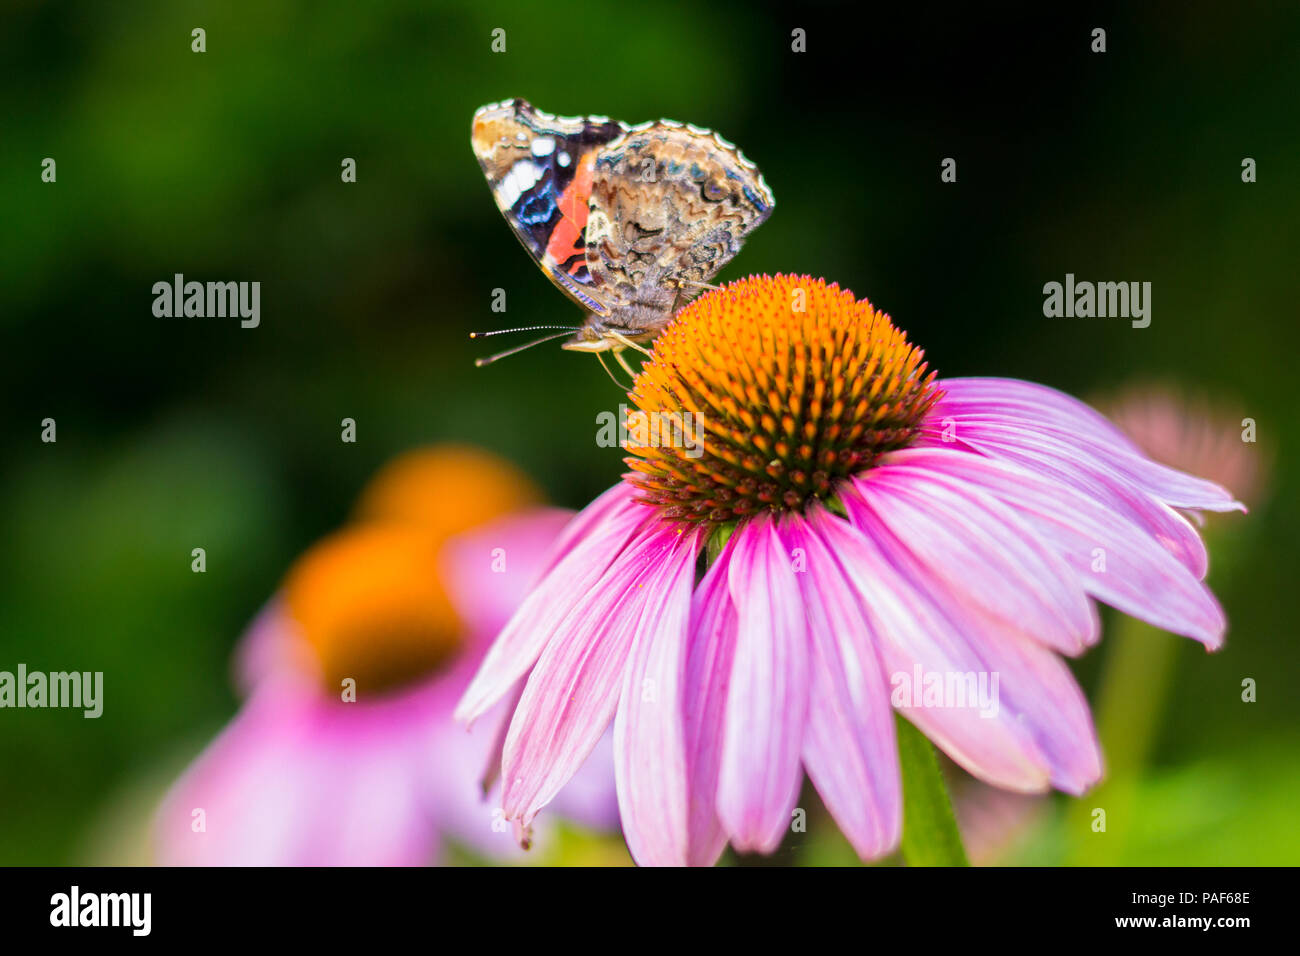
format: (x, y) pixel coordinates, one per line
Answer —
(930, 834)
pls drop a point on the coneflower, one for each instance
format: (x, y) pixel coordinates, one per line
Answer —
(753, 609)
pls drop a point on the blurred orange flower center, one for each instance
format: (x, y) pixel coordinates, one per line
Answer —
(369, 600)
(370, 604)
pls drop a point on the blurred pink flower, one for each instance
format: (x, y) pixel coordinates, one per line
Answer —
(877, 523)
(994, 821)
(1191, 433)
(301, 777)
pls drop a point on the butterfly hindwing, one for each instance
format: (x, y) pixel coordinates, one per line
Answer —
(670, 206)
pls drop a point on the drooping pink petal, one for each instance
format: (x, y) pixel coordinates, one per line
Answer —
(1028, 401)
(469, 812)
(1036, 686)
(978, 548)
(572, 692)
(915, 638)
(567, 587)
(767, 701)
(649, 738)
(849, 747)
(1019, 673)
(472, 817)
(1090, 475)
(491, 774)
(1044, 454)
(1116, 560)
(590, 797)
(1021, 409)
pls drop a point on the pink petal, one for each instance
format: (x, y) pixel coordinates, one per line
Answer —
(473, 817)
(709, 658)
(649, 738)
(1023, 409)
(1039, 690)
(491, 774)
(1016, 399)
(272, 649)
(286, 785)
(563, 591)
(849, 749)
(1089, 475)
(1024, 677)
(610, 506)
(1140, 578)
(983, 552)
(590, 798)
(767, 702)
(910, 633)
(469, 810)
(572, 692)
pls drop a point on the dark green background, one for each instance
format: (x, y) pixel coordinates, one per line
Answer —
(181, 433)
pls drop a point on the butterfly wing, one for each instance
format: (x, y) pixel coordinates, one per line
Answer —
(671, 204)
(540, 168)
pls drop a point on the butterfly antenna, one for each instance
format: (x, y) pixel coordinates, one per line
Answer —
(527, 328)
(618, 355)
(519, 348)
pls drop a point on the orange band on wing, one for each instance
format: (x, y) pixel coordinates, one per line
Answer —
(567, 237)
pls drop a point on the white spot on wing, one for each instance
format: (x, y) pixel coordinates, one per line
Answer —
(522, 177)
(543, 146)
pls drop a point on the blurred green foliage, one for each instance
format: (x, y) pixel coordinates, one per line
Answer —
(175, 434)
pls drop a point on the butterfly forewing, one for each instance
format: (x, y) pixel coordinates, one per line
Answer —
(670, 206)
(539, 168)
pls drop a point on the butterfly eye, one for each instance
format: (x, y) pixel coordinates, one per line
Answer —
(713, 192)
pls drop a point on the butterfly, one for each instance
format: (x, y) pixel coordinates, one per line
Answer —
(630, 222)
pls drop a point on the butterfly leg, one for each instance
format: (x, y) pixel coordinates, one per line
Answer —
(618, 356)
(699, 285)
(600, 356)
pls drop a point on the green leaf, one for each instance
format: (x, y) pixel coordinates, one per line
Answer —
(718, 540)
(930, 835)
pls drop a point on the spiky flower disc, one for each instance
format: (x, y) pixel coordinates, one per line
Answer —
(796, 386)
